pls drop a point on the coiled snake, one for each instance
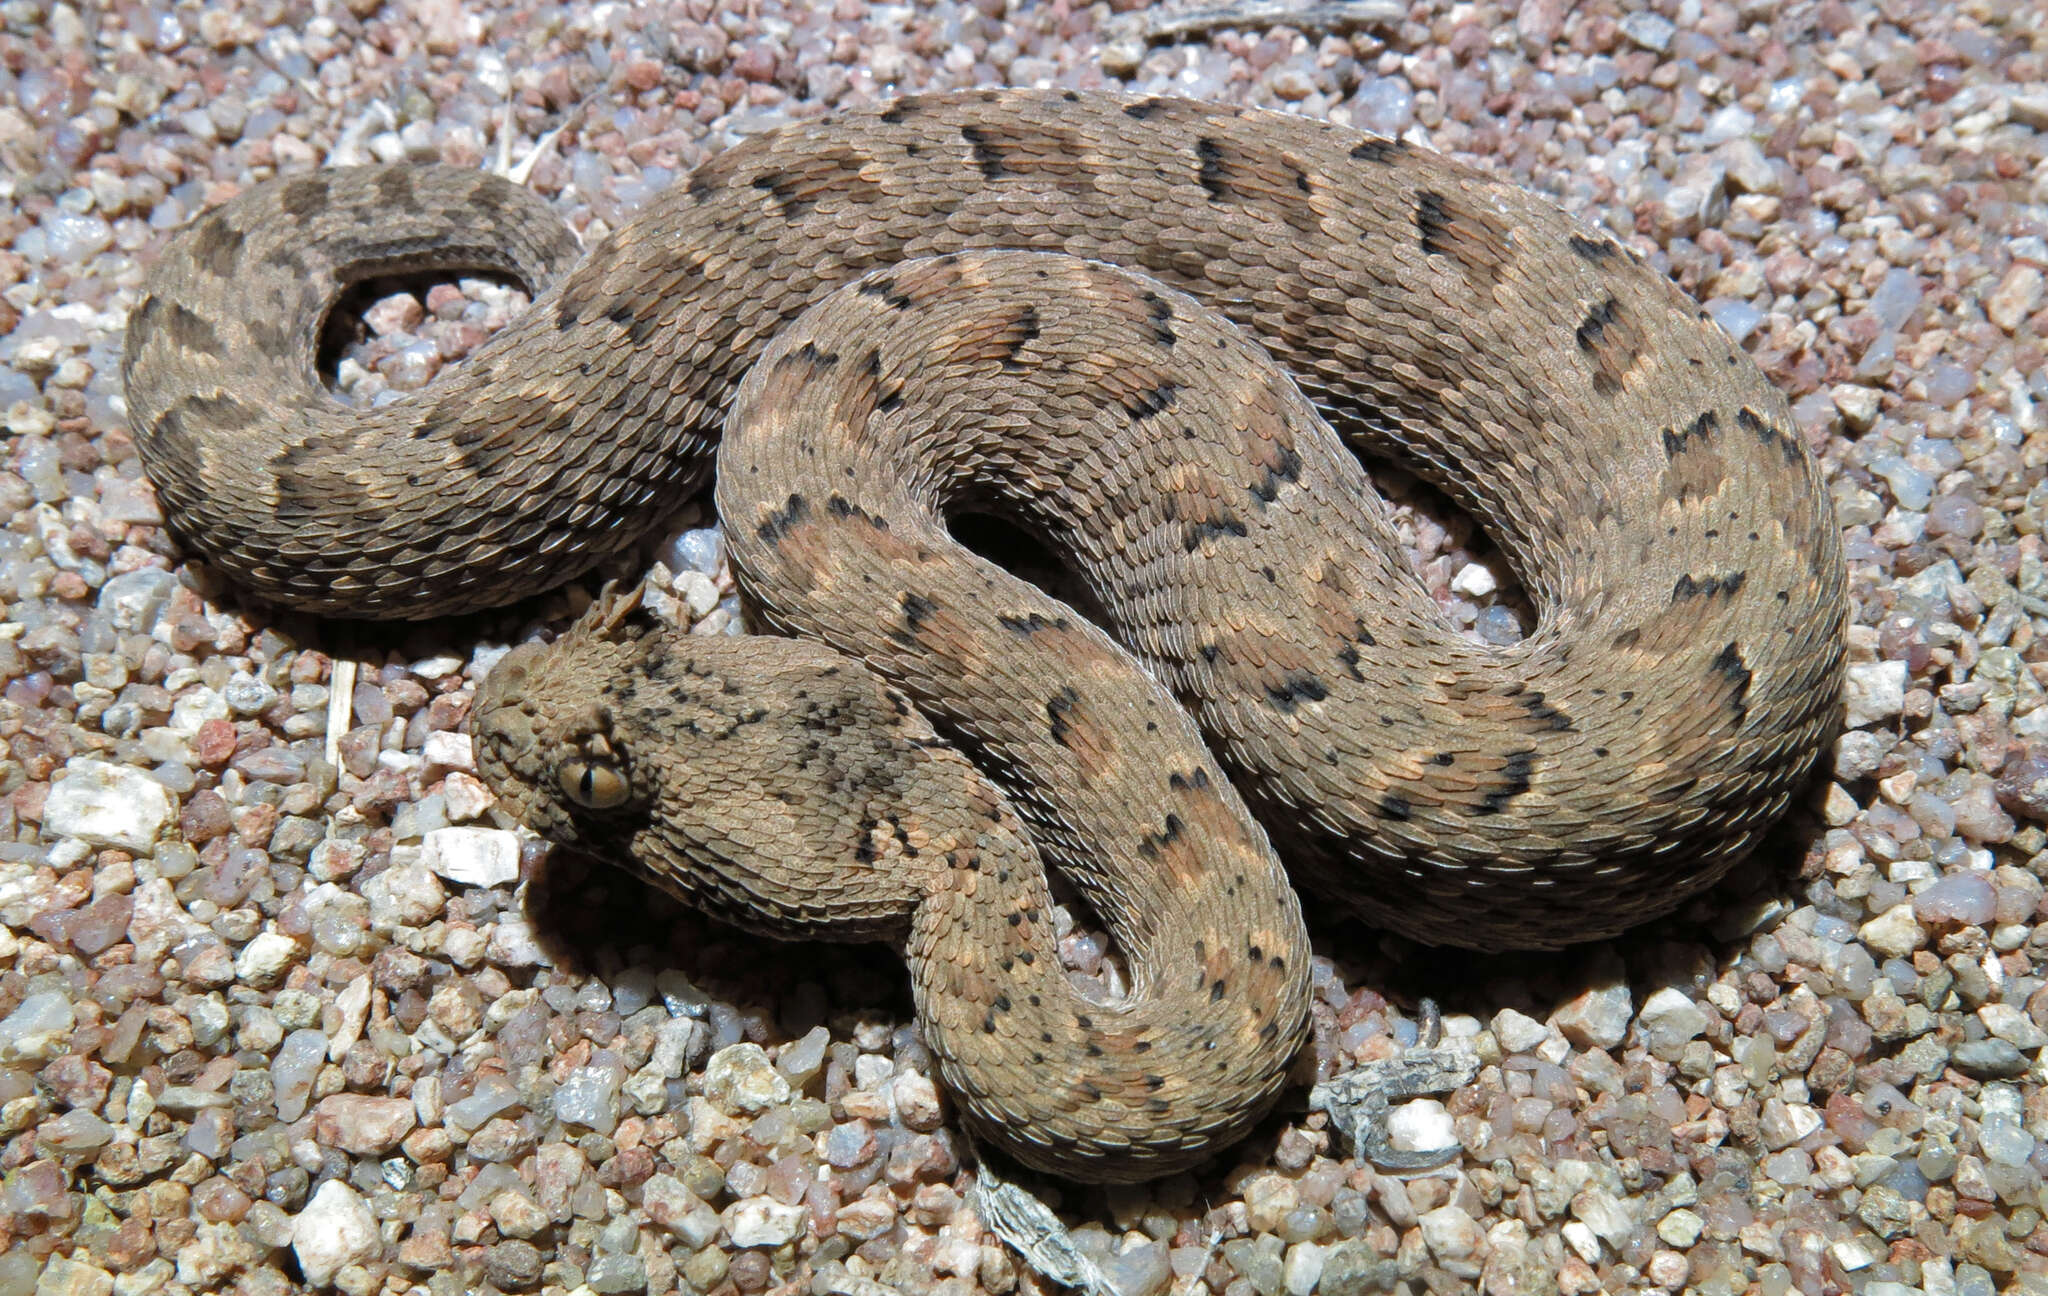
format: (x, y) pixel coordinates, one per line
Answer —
(1058, 308)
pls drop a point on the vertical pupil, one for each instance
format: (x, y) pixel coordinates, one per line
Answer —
(588, 783)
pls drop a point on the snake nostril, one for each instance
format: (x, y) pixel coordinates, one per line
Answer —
(502, 726)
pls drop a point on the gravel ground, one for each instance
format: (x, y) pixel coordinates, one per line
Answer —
(283, 1004)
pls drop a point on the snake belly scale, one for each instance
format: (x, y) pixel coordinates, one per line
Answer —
(1143, 329)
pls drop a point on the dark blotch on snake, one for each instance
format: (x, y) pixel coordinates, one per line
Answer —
(1678, 441)
(1690, 586)
(778, 523)
(1730, 665)
(1515, 770)
(306, 196)
(985, 154)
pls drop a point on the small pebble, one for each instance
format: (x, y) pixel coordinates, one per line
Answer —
(335, 1229)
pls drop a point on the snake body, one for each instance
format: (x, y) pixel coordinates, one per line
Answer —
(880, 281)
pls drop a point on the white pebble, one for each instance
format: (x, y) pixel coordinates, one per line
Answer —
(264, 959)
(1738, 319)
(1874, 691)
(2013, 1026)
(158, 921)
(292, 1069)
(917, 1100)
(467, 798)
(1893, 933)
(404, 895)
(1423, 1125)
(354, 1003)
(440, 667)
(2017, 296)
(1782, 1124)
(1681, 1228)
(76, 238)
(699, 592)
(108, 805)
(1857, 404)
(1450, 1233)
(676, 1042)
(59, 1276)
(334, 859)
(513, 944)
(39, 1028)
(1474, 580)
(482, 857)
(1304, 1268)
(762, 1221)
(1670, 1018)
(1910, 487)
(195, 708)
(801, 1060)
(134, 600)
(1517, 1032)
(1652, 31)
(493, 1094)
(335, 1230)
(590, 1097)
(449, 750)
(1582, 1240)
(464, 946)
(1598, 1018)
(246, 695)
(1897, 296)
(74, 1131)
(122, 500)
(701, 549)
(741, 1079)
(2004, 1139)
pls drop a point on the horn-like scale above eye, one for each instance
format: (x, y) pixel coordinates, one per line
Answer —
(594, 785)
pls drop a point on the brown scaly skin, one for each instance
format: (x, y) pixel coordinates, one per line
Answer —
(1643, 476)
(787, 789)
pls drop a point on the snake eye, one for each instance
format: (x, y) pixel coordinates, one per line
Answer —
(593, 785)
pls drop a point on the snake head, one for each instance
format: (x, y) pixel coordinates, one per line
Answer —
(545, 731)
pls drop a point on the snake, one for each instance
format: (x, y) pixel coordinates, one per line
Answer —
(1159, 336)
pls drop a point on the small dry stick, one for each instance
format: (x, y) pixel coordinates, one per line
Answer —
(1170, 24)
(1159, 25)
